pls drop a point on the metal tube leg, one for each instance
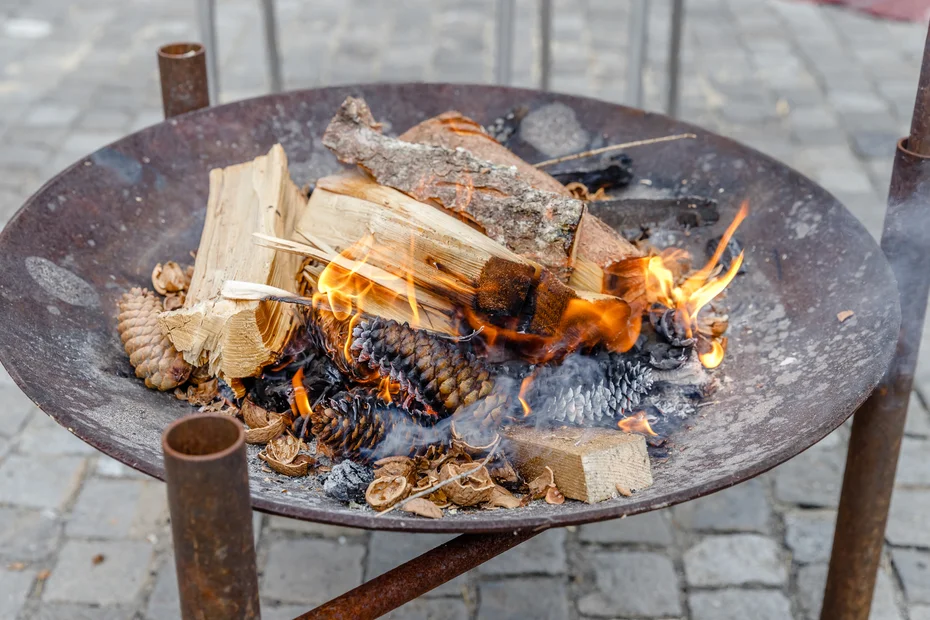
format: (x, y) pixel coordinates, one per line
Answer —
(878, 425)
(382, 594)
(639, 38)
(545, 43)
(182, 68)
(211, 517)
(505, 30)
(674, 56)
(206, 21)
(271, 45)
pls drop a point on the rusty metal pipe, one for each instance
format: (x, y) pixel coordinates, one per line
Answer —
(389, 591)
(878, 426)
(211, 517)
(183, 71)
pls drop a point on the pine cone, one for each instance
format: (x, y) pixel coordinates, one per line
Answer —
(357, 425)
(330, 334)
(575, 392)
(435, 371)
(150, 352)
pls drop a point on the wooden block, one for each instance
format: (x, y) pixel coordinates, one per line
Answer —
(589, 463)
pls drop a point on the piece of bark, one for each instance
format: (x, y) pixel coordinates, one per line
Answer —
(588, 463)
(536, 224)
(237, 338)
(597, 244)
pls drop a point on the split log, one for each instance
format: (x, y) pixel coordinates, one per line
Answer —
(589, 464)
(535, 224)
(598, 246)
(237, 338)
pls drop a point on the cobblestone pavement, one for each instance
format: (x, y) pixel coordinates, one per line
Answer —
(825, 90)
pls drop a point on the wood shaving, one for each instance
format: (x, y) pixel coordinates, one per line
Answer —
(844, 315)
(622, 490)
(554, 496)
(423, 507)
(173, 301)
(540, 486)
(199, 395)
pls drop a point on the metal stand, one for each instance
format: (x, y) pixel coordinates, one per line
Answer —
(878, 426)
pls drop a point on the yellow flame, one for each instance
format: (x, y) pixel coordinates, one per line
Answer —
(527, 382)
(384, 390)
(712, 358)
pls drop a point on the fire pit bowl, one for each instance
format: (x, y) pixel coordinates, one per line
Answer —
(793, 372)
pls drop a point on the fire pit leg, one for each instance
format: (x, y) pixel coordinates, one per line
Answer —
(879, 424)
(211, 517)
(389, 591)
(183, 71)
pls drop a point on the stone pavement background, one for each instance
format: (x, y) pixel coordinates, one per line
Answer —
(822, 89)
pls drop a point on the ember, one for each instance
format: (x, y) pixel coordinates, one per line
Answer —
(447, 313)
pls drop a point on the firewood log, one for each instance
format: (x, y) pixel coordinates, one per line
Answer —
(237, 338)
(588, 464)
(535, 224)
(598, 246)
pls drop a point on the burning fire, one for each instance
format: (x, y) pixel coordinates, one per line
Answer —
(636, 423)
(301, 401)
(697, 290)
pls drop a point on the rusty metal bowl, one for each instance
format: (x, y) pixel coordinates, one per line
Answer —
(793, 373)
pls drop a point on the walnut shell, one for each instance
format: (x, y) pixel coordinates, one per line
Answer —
(383, 493)
(474, 488)
(150, 352)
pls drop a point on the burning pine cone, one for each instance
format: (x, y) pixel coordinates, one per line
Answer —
(435, 371)
(150, 352)
(577, 393)
(357, 425)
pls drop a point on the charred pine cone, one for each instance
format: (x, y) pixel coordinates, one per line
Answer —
(330, 334)
(588, 391)
(435, 371)
(357, 425)
(150, 352)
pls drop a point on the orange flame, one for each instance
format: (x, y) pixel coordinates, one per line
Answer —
(712, 358)
(636, 423)
(384, 390)
(300, 393)
(527, 382)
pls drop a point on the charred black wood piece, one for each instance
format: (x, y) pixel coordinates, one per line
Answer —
(730, 252)
(667, 323)
(663, 356)
(609, 172)
(504, 127)
(348, 481)
(436, 371)
(645, 213)
(586, 390)
(358, 425)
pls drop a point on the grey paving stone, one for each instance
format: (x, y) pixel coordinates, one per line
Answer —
(271, 611)
(631, 584)
(743, 508)
(540, 598)
(653, 528)
(28, 535)
(871, 144)
(913, 568)
(918, 419)
(284, 524)
(111, 468)
(811, 581)
(14, 588)
(24, 482)
(104, 509)
(44, 436)
(311, 571)
(739, 605)
(432, 609)
(542, 554)
(812, 478)
(908, 519)
(65, 611)
(15, 409)
(809, 535)
(116, 580)
(920, 612)
(389, 549)
(735, 560)
(914, 464)
(52, 114)
(164, 601)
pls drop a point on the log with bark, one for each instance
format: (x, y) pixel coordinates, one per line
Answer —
(237, 338)
(598, 246)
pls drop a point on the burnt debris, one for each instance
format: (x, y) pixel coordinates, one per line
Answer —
(730, 252)
(347, 481)
(608, 172)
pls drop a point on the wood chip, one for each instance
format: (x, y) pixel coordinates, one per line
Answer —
(540, 486)
(622, 490)
(423, 507)
(16, 566)
(43, 575)
(98, 559)
(844, 315)
(553, 496)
